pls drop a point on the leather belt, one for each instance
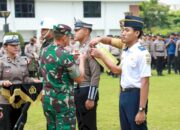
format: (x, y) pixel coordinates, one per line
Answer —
(77, 86)
(129, 89)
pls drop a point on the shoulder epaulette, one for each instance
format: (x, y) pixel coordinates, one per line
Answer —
(142, 48)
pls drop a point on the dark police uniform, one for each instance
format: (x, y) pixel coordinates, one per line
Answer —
(135, 65)
(88, 89)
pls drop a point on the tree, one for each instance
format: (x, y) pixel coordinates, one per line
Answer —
(154, 15)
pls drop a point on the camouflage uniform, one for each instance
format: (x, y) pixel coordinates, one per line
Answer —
(44, 45)
(58, 70)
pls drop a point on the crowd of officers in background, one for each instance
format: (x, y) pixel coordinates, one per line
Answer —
(164, 50)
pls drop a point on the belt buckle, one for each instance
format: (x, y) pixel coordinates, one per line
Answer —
(123, 89)
(76, 86)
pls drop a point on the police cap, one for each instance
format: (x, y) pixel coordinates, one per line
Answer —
(132, 21)
(80, 24)
(11, 39)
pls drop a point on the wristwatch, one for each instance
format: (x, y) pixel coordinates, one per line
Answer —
(141, 109)
(1, 109)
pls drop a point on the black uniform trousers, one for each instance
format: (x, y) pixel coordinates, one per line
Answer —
(170, 62)
(128, 107)
(159, 64)
(86, 118)
(178, 62)
(10, 117)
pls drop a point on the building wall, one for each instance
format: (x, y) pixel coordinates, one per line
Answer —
(65, 12)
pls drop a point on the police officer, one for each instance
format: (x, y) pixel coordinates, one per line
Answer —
(171, 47)
(146, 42)
(13, 70)
(86, 93)
(177, 54)
(58, 69)
(159, 54)
(151, 42)
(135, 71)
(32, 52)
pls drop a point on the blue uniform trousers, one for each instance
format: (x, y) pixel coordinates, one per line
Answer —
(129, 106)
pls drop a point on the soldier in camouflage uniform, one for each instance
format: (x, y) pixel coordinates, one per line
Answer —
(59, 71)
(47, 32)
(13, 70)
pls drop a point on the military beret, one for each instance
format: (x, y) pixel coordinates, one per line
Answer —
(80, 24)
(132, 21)
(62, 29)
(11, 39)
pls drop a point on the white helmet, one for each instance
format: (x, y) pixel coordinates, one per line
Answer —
(48, 23)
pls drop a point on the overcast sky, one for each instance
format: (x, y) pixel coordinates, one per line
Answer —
(170, 1)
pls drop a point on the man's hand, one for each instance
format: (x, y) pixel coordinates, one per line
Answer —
(6, 83)
(96, 53)
(95, 41)
(140, 117)
(83, 56)
(89, 104)
(36, 80)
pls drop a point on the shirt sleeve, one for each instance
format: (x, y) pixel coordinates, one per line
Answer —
(71, 66)
(145, 64)
(26, 78)
(1, 71)
(95, 77)
(117, 43)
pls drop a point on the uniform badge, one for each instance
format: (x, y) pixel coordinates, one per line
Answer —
(148, 59)
(142, 48)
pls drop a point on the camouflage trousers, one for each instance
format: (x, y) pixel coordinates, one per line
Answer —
(59, 111)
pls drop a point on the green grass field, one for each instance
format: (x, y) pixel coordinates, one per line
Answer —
(163, 112)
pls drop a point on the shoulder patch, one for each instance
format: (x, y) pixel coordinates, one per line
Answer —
(142, 48)
(148, 59)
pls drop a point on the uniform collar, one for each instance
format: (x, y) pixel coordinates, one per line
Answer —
(11, 60)
(133, 47)
(85, 42)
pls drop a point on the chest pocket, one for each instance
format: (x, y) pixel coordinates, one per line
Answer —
(23, 68)
(159, 47)
(132, 62)
(6, 71)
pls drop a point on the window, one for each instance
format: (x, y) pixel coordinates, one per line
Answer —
(92, 9)
(24, 8)
(3, 5)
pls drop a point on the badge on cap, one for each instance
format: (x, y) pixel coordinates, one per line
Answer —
(11, 39)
